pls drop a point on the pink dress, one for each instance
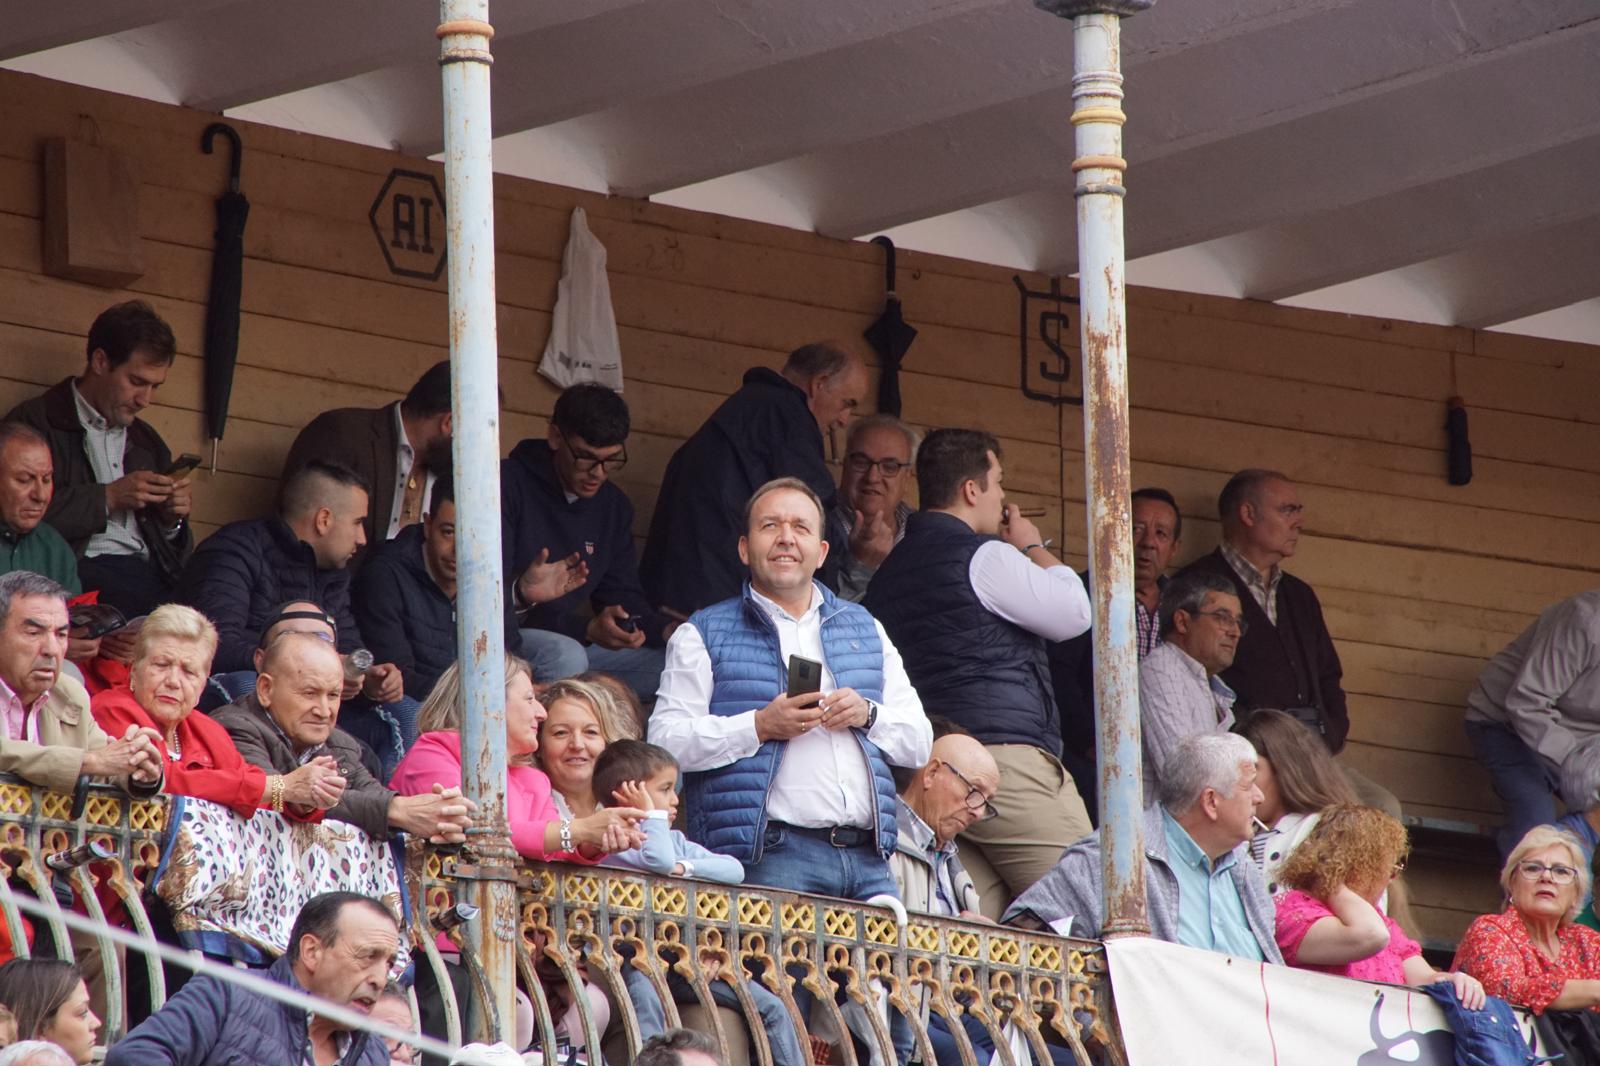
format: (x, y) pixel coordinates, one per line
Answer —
(436, 758)
(1298, 912)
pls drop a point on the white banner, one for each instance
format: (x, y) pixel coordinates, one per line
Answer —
(1179, 1004)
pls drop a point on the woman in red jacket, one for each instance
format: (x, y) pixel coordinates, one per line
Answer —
(171, 661)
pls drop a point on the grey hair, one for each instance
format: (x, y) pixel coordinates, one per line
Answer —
(14, 430)
(667, 1048)
(27, 583)
(1202, 761)
(822, 359)
(1537, 839)
(34, 1053)
(1187, 592)
(881, 421)
(1580, 776)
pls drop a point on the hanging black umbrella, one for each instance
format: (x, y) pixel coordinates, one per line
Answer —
(222, 304)
(890, 336)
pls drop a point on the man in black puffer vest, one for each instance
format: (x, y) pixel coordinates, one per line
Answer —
(970, 596)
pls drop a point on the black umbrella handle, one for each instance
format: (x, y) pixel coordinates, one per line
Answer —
(208, 140)
(888, 262)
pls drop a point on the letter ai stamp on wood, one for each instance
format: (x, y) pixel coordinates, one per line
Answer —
(408, 219)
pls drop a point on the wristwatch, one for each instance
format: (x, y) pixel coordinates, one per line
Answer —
(872, 715)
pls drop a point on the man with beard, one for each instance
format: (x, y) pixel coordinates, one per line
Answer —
(398, 450)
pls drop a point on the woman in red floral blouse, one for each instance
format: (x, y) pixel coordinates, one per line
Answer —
(1532, 954)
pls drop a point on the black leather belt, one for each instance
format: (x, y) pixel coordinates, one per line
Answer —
(840, 836)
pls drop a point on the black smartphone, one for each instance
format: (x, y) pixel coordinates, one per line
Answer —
(182, 466)
(629, 624)
(95, 619)
(805, 675)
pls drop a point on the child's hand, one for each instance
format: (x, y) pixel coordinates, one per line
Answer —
(634, 794)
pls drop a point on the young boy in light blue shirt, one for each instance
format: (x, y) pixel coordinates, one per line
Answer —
(632, 773)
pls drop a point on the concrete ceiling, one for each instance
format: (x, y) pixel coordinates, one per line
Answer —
(1432, 160)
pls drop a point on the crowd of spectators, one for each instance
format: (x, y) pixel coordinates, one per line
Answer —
(804, 686)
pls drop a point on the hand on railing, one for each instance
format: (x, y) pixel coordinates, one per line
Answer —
(135, 754)
(442, 816)
(607, 830)
(317, 785)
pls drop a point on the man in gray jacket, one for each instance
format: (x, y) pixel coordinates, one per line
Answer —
(1201, 888)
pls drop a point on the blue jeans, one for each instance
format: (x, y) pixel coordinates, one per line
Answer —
(553, 655)
(1522, 779)
(639, 667)
(801, 862)
(948, 1053)
(775, 1019)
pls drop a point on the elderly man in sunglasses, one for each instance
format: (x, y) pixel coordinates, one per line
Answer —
(879, 451)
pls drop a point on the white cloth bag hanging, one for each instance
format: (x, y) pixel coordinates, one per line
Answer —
(583, 343)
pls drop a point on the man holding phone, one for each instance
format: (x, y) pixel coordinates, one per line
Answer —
(792, 781)
(120, 501)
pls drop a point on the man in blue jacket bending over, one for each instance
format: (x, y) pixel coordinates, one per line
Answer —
(341, 949)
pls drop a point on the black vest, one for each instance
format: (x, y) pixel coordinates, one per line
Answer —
(966, 663)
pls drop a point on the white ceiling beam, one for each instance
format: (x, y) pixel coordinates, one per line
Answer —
(1178, 101)
(1413, 225)
(1518, 276)
(27, 26)
(1413, 134)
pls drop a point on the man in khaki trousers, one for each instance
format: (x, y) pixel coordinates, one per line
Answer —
(970, 596)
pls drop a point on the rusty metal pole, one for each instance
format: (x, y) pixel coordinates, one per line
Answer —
(488, 866)
(1097, 119)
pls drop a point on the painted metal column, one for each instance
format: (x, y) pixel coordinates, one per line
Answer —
(488, 867)
(1097, 119)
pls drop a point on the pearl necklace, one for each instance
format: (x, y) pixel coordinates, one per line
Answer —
(175, 749)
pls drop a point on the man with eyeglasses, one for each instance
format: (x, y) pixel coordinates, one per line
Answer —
(1285, 659)
(558, 504)
(1180, 693)
(398, 449)
(878, 451)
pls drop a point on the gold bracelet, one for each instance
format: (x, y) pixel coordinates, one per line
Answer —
(277, 793)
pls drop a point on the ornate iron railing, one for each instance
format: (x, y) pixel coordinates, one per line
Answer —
(576, 923)
(589, 921)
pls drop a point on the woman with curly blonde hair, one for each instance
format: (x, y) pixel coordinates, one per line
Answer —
(1329, 920)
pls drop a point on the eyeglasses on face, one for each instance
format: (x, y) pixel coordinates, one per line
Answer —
(1560, 873)
(861, 462)
(976, 800)
(1226, 619)
(586, 461)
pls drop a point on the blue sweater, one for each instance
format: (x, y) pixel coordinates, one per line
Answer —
(665, 847)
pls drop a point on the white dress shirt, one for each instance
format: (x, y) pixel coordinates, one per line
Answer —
(1047, 601)
(106, 445)
(405, 457)
(823, 779)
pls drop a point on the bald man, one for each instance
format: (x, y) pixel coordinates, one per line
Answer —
(950, 792)
(289, 724)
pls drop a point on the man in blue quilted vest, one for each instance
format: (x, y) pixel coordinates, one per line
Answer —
(796, 787)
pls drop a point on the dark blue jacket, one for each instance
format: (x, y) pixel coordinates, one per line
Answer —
(535, 515)
(406, 618)
(967, 663)
(728, 806)
(213, 1023)
(241, 574)
(763, 431)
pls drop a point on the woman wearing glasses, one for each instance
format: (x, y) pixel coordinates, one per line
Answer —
(1532, 954)
(1329, 920)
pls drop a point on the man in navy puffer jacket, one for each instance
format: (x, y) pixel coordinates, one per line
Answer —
(341, 949)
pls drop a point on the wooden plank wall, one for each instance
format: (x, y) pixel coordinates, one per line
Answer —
(1421, 580)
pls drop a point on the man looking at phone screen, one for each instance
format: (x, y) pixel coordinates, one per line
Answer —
(795, 786)
(118, 499)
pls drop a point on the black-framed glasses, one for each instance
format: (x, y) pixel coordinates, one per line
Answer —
(861, 462)
(976, 800)
(586, 461)
(1560, 873)
(1226, 619)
